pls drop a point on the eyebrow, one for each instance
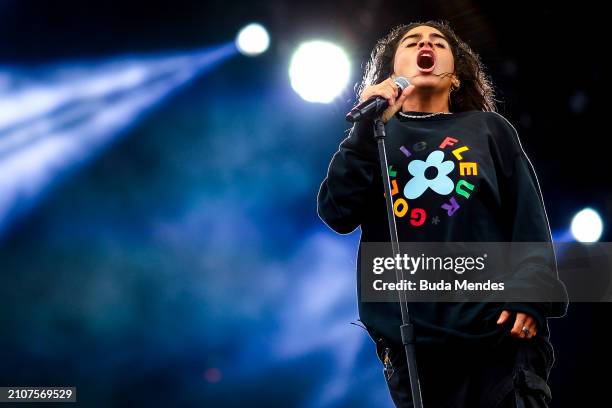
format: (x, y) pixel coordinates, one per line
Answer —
(419, 35)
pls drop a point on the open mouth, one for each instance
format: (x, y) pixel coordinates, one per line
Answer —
(425, 60)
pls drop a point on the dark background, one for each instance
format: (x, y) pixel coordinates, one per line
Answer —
(184, 263)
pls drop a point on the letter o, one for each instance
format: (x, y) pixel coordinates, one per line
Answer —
(404, 204)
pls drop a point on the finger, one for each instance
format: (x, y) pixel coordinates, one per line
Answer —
(409, 90)
(527, 323)
(503, 317)
(389, 95)
(392, 89)
(518, 325)
(531, 325)
(523, 334)
(399, 102)
(369, 93)
(384, 93)
(391, 82)
(392, 110)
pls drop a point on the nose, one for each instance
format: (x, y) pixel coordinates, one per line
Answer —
(424, 42)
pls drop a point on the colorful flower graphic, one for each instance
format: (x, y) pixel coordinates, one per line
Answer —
(441, 183)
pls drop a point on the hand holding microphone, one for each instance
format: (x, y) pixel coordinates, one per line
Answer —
(386, 97)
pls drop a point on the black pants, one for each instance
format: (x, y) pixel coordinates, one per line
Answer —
(511, 374)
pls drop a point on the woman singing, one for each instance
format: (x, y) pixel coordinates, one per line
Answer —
(458, 174)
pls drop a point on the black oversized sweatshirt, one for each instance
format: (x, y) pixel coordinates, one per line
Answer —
(490, 194)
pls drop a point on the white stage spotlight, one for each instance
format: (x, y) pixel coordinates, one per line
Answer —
(252, 40)
(587, 225)
(319, 71)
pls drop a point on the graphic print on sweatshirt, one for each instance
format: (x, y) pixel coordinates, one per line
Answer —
(431, 183)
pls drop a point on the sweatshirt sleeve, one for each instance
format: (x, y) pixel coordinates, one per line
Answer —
(535, 268)
(343, 195)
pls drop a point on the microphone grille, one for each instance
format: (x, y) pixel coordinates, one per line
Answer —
(402, 82)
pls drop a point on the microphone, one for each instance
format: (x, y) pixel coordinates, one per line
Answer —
(375, 105)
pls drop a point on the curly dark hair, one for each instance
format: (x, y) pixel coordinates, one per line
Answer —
(476, 91)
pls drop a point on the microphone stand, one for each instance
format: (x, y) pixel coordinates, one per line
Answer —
(407, 328)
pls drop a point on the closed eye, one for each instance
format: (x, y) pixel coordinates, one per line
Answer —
(413, 44)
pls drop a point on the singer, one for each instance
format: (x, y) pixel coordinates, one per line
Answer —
(468, 354)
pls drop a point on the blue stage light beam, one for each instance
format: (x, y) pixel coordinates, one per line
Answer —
(56, 118)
